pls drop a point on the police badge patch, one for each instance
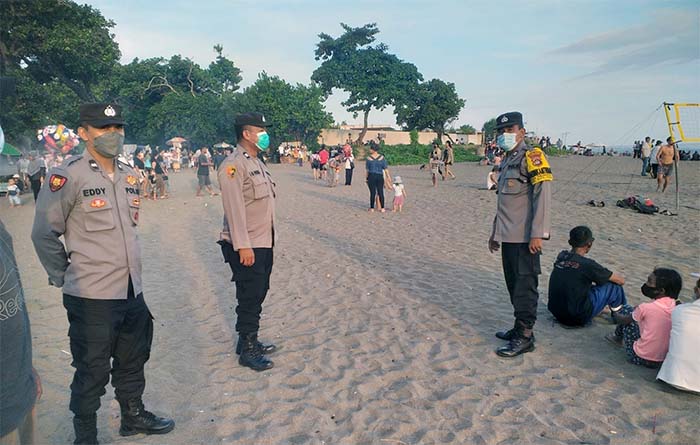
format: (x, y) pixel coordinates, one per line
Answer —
(131, 180)
(537, 166)
(56, 182)
(231, 171)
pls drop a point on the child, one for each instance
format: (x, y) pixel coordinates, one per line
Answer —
(492, 179)
(13, 193)
(646, 330)
(399, 194)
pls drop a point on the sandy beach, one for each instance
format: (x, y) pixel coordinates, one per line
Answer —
(385, 321)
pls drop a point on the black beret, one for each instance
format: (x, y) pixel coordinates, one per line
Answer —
(508, 119)
(254, 119)
(101, 114)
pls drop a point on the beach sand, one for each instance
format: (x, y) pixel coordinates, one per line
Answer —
(385, 321)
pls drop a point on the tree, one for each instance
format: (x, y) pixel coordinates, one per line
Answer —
(432, 105)
(466, 129)
(489, 129)
(57, 41)
(374, 78)
(296, 111)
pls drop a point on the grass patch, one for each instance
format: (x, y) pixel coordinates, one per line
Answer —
(416, 154)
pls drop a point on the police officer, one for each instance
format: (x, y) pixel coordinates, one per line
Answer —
(247, 238)
(93, 201)
(522, 221)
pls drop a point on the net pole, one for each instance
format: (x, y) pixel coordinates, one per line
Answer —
(667, 109)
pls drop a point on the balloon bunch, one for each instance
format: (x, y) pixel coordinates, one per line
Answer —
(58, 138)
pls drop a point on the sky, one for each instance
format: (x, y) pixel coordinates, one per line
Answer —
(590, 70)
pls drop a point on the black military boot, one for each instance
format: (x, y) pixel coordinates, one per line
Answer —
(85, 430)
(251, 354)
(506, 335)
(265, 348)
(522, 341)
(135, 419)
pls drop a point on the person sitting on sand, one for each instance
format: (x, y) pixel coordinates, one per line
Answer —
(681, 367)
(645, 331)
(579, 287)
(492, 179)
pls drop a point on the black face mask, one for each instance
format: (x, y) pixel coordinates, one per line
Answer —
(649, 291)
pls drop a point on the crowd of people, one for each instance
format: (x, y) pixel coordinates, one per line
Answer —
(657, 159)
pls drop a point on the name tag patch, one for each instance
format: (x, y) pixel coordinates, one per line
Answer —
(94, 192)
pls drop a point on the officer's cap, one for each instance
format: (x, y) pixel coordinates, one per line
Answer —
(101, 114)
(510, 118)
(252, 119)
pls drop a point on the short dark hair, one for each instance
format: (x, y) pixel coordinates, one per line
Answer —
(669, 280)
(239, 132)
(580, 236)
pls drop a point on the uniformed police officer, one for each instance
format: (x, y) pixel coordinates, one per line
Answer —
(93, 201)
(522, 221)
(247, 238)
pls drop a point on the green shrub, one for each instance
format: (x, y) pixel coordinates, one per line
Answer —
(416, 154)
(414, 137)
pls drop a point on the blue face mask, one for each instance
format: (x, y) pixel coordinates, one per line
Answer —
(506, 141)
(263, 140)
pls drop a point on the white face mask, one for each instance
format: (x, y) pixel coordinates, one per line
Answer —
(507, 141)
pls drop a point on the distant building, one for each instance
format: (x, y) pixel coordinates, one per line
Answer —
(390, 136)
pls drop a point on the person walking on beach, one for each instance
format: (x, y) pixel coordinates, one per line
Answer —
(203, 178)
(349, 161)
(435, 162)
(646, 154)
(666, 155)
(37, 173)
(399, 194)
(448, 158)
(522, 221)
(248, 235)
(93, 201)
(579, 287)
(376, 166)
(654, 170)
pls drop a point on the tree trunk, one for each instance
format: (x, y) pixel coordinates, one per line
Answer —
(440, 132)
(361, 137)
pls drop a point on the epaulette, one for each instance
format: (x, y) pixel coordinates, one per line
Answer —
(71, 160)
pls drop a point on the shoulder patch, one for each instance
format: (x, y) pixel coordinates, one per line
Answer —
(231, 171)
(56, 182)
(538, 166)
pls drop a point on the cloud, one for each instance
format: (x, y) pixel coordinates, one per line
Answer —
(671, 37)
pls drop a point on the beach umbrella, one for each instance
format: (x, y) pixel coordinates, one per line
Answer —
(222, 145)
(57, 138)
(177, 140)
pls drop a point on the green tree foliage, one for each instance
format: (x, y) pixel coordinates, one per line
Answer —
(296, 111)
(374, 78)
(433, 105)
(57, 41)
(489, 129)
(466, 129)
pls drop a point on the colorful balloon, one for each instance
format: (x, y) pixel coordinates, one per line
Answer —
(57, 138)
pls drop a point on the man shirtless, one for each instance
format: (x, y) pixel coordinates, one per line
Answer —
(667, 153)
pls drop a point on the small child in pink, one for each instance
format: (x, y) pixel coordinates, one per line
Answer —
(399, 194)
(646, 330)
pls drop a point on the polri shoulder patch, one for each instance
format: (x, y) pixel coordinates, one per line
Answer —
(231, 171)
(56, 182)
(538, 166)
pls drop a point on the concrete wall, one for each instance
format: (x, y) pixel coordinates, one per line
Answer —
(332, 136)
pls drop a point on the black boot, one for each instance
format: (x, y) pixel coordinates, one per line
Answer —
(506, 335)
(251, 354)
(135, 419)
(265, 348)
(85, 430)
(519, 344)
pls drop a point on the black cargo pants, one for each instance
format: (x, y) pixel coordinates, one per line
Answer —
(252, 284)
(521, 268)
(104, 330)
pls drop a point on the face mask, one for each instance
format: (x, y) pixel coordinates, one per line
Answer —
(650, 292)
(109, 144)
(506, 141)
(263, 140)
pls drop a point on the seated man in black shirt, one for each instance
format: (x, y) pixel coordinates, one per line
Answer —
(580, 288)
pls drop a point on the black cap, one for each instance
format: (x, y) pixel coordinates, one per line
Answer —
(101, 114)
(254, 119)
(508, 119)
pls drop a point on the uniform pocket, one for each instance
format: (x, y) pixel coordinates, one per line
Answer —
(261, 188)
(98, 215)
(513, 183)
